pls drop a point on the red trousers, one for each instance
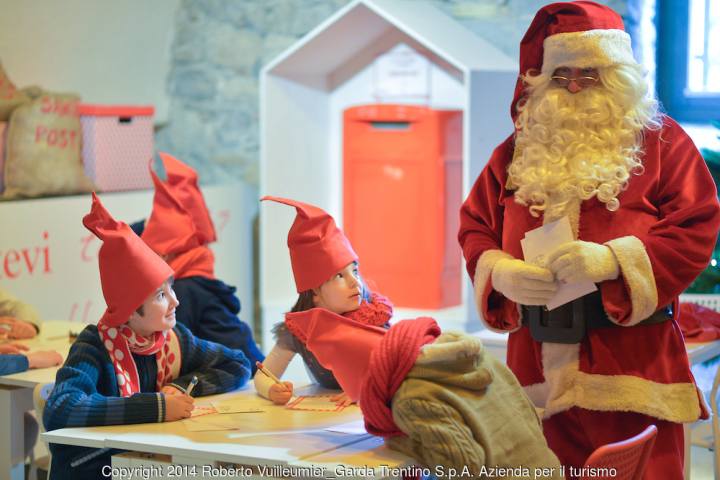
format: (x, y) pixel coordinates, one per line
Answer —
(574, 434)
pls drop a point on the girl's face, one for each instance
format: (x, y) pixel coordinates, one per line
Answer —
(342, 293)
(158, 311)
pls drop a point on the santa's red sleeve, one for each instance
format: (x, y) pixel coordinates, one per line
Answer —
(659, 263)
(480, 236)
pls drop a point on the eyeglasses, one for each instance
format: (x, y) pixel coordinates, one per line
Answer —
(580, 81)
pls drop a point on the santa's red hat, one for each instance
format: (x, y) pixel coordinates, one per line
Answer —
(578, 34)
(182, 181)
(340, 344)
(170, 228)
(318, 249)
(129, 270)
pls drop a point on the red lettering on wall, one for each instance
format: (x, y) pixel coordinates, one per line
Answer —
(46, 255)
(17, 261)
(74, 310)
(88, 254)
(223, 218)
(11, 256)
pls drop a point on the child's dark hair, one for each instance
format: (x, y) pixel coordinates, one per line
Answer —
(305, 299)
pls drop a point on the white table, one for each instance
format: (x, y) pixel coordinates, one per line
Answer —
(278, 436)
(16, 397)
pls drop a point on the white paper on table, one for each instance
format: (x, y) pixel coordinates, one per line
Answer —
(353, 428)
(538, 243)
(241, 405)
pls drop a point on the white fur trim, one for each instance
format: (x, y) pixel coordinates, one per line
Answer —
(566, 386)
(450, 346)
(483, 269)
(637, 272)
(591, 48)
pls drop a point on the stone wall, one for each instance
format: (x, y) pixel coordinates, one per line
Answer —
(221, 45)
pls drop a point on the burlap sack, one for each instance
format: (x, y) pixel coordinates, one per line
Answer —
(43, 149)
(10, 97)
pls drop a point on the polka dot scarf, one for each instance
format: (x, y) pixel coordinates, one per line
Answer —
(121, 341)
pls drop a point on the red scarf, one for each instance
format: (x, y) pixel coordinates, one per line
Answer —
(377, 312)
(198, 261)
(121, 341)
(390, 363)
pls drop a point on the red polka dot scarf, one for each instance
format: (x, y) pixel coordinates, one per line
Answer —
(121, 341)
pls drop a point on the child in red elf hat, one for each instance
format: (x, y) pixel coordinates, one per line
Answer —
(180, 229)
(134, 366)
(327, 275)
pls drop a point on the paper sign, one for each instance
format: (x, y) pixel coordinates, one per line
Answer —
(540, 242)
(401, 72)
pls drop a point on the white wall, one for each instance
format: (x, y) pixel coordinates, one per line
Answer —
(67, 285)
(112, 52)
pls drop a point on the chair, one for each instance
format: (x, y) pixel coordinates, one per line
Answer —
(41, 392)
(627, 457)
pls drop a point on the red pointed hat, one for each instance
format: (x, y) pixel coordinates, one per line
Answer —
(318, 249)
(182, 181)
(129, 270)
(170, 228)
(340, 344)
(578, 34)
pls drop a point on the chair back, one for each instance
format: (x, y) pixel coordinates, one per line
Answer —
(625, 460)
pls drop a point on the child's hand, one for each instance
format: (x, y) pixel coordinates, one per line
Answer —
(178, 407)
(13, 348)
(341, 399)
(18, 329)
(44, 359)
(281, 393)
(170, 390)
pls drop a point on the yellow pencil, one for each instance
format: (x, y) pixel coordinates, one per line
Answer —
(267, 372)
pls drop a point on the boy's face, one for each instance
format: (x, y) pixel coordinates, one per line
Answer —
(158, 311)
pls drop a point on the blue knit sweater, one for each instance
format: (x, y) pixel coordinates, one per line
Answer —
(210, 308)
(10, 364)
(86, 392)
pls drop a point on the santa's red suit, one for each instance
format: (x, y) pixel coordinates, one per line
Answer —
(617, 379)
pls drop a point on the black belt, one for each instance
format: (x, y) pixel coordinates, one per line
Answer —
(570, 322)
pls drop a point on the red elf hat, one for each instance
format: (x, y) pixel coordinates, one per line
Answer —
(129, 270)
(170, 228)
(182, 181)
(318, 249)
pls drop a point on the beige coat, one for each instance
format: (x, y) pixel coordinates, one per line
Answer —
(461, 407)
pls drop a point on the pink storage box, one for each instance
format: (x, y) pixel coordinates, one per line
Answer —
(3, 142)
(118, 145)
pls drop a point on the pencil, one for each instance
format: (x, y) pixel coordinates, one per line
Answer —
(267, 372)
(190, 387)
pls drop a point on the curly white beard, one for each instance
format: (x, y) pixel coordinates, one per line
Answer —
(571, 147)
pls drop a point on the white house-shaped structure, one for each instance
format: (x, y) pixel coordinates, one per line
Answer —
(304, 91)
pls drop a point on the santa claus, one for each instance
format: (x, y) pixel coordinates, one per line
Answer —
(591, 145)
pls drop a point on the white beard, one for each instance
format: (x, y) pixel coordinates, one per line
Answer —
(572, 147)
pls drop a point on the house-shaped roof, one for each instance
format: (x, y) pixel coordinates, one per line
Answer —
(362, 22)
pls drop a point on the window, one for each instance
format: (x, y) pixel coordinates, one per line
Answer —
(688, 58)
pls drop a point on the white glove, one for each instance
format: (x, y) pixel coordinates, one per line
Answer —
(522, 282)
(582, 261)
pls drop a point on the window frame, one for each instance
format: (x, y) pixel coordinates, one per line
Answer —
(672, 23)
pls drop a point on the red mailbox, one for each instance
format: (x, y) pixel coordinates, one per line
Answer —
(402, 191)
